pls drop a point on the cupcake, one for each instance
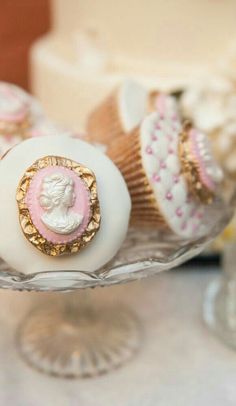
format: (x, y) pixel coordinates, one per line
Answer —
(119, 113)
(62, 201)
(18, 111)
(150, 162)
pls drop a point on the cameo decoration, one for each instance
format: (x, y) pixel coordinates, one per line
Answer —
(58, 205)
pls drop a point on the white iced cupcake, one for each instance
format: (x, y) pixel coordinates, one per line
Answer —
(65, 206)
(150, 161)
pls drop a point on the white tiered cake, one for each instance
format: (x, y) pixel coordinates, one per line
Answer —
(95, 44)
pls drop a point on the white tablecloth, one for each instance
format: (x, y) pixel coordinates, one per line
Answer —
(180, 362)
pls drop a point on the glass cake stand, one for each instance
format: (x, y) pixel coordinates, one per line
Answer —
(73, 337)
(220, 301)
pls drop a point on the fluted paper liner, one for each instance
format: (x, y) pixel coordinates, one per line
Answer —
(126, 154)
(104, 123)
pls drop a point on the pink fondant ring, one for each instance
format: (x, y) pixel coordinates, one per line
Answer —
(58, 205)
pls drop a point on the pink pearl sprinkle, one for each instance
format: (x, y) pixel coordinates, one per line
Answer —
(170, 151)
(154, 137)
(184, 226)
(199, 216)
(156, 177)
(176, 178)
(163, 165)
(169, 196)
(149, 150)
(179, 212)
(158, 127)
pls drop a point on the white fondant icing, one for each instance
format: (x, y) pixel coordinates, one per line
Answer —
(181, 212)
(132, 104)
(113, 196)
(56, 197)
(7, 142)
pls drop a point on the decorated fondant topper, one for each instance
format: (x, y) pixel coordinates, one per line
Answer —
(199, 166)
(58, 205)
(14, 111)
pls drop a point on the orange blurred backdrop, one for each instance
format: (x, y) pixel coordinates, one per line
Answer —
(21, 22)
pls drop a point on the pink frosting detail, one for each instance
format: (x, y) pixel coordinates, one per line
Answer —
(22, 110)
(163, 165)
(184, 226)
(149, 150)
(156, 177)
(161, 105)
(169, 196)
(205, 178)
(154, 137)
(176, 178)
(179, 212)
(187, 222)
(81, 205)
(175, 118)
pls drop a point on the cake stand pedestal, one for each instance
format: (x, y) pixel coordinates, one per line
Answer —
(77, 337)
(73, 337)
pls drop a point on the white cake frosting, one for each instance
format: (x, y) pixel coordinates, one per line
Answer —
(159, 145)
(113, 196)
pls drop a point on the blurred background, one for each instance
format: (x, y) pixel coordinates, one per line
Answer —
(21, 22)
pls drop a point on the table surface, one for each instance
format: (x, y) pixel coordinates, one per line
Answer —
(180, 362)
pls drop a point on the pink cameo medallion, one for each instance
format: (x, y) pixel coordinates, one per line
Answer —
(60, 203)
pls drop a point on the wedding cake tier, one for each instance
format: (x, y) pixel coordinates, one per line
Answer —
(93, 45)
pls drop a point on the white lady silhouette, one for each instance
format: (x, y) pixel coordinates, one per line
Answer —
(56, 197)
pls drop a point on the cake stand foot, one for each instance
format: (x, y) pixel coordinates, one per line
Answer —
(76, 341)
(220, 301)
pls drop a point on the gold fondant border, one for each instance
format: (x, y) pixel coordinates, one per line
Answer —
(191, 170)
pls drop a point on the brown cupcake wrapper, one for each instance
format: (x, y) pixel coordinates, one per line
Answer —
(126, 154)
(104, 123)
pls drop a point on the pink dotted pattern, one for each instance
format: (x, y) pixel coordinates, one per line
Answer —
(159, 142)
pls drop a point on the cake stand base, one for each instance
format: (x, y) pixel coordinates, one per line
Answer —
(77, 340)
(220, 311)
